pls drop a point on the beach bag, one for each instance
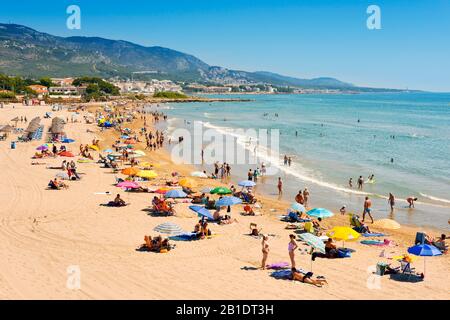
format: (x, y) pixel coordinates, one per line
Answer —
(381, 268)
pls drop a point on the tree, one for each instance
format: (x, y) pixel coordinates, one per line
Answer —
(47, 82)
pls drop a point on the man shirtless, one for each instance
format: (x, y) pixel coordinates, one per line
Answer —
(367, 209)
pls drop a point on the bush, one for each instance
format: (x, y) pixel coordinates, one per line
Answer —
(170, 95)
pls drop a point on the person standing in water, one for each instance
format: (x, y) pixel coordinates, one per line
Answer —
(299, 198)
(360, 182)
(367, 209)
(285, 159)
(306, 196)
(350, 182)
(265, 251)
(391, 201)
(280, 186)
(289, 161)
(411, 201)
(292, 246)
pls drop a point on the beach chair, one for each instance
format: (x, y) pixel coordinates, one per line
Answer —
(356, 224)
(420, 238)
(406, 269)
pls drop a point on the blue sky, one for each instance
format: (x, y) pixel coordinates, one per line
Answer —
(298, 38)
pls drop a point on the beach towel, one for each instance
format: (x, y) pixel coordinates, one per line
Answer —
(188, 236)
(344, 253)
(373, 242)
(278, 265)
(284, 273)
(373, 234)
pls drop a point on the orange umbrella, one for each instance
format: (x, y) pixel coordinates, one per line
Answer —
(66, 154)
(132, 171)
(163, 190)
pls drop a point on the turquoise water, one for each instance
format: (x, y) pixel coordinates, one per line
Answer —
(331, 145)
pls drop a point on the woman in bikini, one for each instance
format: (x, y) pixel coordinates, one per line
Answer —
(292, 246)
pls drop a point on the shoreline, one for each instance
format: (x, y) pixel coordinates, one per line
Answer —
(43, 233)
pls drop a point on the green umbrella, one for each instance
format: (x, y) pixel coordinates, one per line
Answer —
(221, 190)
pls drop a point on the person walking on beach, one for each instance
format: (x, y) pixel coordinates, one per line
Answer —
(299, 197)
(265, 251)
(411, 201)
(367, 209)
(306, 196)
(391, 201)
(255, 174)
(292, 246)
(250, 175)
(285, 159)
(280, 186)
(350, 182)
(360, 182)
(289, 161)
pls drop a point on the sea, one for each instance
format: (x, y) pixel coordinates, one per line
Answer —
(403, 139)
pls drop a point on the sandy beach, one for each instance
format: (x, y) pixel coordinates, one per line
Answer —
(46, 233)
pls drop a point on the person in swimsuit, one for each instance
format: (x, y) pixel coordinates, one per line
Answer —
(280, 186)
(306, 196)
(306, 278)
(411, 201)
(350, 182)
(360, 182)
(265, 251)
(292, 246)
(299, 197)
(391, 201)
(367, 209)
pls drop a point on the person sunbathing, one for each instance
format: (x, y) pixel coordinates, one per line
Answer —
(306, 278)
(198, 199)
(254, 231)
(440, 243)
(227, 220)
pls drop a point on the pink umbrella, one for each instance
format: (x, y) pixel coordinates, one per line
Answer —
(127, 185)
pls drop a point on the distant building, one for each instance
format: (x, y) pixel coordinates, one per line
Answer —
(39, 89)
(67, 90)
(62, 82)
(147, 87)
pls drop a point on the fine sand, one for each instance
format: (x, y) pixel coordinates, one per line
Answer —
(45, 234)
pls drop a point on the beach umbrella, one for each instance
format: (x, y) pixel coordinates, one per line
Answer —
(42, 148)
(127, 185)
(162, 190)
(228, 201)
(221, 190)
(124, 137)
(130, 141)
(139, 152)
(246, 184)
(108, 151)
(298, 207)
(145, 164)
(343, 234)
(93, 147)
(199, 174)
(62, 175)
(387, 224)
(175, 194)
(315, 242)
(320, 213)
(147, 174)
(66, 154)
(202, 211)
(67, 140)
(424, 250)
(131, 171)
(169, 228)
(187, 183)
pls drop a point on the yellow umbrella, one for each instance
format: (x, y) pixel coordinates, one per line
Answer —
(406, 257)
(387, 224)
(343, 233)
(188, 183)
(132, 171)
(148, 174)
(94, 147)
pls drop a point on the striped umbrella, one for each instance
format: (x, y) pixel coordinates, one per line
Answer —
(313, 241)
(298, 207)
(169, 228)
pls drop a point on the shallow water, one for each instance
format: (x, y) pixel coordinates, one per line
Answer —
(331, 146)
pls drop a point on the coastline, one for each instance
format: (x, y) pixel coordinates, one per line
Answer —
(43, 232)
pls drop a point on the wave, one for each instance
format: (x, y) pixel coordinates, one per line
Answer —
(434, 198)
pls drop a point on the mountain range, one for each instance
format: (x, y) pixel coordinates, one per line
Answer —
(30, 53)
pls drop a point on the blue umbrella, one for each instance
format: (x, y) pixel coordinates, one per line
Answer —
(298, 207)
(227, 201)
(124, 137)
(67, 140)
(424, 250)
(246, 183)
(108, 151)
(202, 211)
(320, 213)
(175, 194)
